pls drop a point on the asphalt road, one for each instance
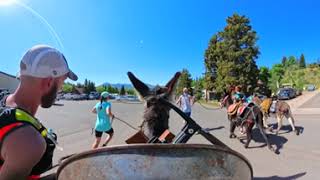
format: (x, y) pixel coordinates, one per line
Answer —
(314, 102)
(298, 158)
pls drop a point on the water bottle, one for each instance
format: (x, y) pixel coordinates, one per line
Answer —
(51, 136)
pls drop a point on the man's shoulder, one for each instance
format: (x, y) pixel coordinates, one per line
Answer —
(23, 147)
(24, 138)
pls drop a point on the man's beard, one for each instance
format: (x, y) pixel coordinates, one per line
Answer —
(48, 99)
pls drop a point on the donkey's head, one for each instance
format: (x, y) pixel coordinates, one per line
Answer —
(226, 99)
(156, 114)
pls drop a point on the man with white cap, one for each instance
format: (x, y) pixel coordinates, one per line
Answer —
(26, 148)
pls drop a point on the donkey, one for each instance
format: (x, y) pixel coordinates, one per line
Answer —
(156, 114)
(282, 109)
(250, 116)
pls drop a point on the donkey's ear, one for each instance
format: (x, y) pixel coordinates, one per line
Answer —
(172, 83)
(142, 89)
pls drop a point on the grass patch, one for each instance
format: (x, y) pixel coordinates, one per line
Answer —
(213, 103)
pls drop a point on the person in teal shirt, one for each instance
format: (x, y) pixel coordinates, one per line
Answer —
(103, 122)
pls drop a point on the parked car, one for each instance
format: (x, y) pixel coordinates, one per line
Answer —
(77, 97)
(69, 96)
(3, 92)
(311, 87)
(84, 97)
(93, 95)
(60, 96)
(286, 93)
(132, 98)
(121, 97)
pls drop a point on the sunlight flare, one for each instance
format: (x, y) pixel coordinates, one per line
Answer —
(6, 2)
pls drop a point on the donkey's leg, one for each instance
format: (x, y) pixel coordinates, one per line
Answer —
(264, 136)
(232, 128)
(259, 123)
(291, 122)
(249, 134)
(279, 119)
(265, 118)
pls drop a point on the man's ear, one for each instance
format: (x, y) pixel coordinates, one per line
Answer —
(47, 83)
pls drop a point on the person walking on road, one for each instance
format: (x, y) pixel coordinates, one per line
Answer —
(185, 102)
(103, 123)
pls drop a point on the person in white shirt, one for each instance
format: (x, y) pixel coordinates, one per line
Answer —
(185, 102)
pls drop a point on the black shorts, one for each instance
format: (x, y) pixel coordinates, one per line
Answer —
(99, 133)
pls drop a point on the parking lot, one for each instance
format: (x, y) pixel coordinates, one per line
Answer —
(299, 156)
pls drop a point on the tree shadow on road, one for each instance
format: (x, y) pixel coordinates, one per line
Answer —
(296, 176)
(274, 140)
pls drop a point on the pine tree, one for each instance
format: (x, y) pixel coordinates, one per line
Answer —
(122, 91)
(230, 58)
(184, 81)
(302, 61)
(284, 61)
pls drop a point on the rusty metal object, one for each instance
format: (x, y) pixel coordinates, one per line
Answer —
(157, 161)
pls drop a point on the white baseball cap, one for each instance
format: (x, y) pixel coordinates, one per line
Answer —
(43, 61)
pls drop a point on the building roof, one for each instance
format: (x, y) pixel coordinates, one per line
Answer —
(12, 76)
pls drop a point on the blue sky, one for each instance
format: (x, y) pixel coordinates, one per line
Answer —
(103, 39)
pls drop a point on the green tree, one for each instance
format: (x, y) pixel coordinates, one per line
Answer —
(85, 84)
(109, 88)
(211, 59)
(79, 85)
(100, 89)
(131, 91)
(67, 87)
(198, 85)
(116, 90)
(184, 81)
(122, 91)
(88, 86)
(291, 62)
(284, 61)
(277, 72)
(302, 61)
(263, 82)
(264, 75)
(231, 55)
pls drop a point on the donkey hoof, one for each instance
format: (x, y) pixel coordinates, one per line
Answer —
(246, 146)
(232, 136)
(297, 132)
(272, 149)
